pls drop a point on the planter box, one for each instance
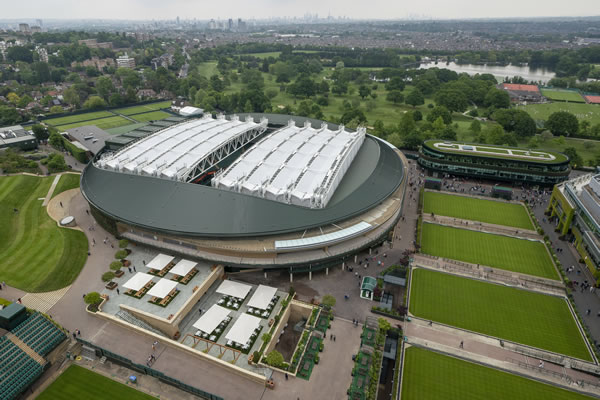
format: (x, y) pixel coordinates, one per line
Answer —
(126, 263)
(119, 273)
(111, 285)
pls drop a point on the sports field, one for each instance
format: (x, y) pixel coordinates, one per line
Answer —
(37, 255)
(80, 383)
(589, 112)
(470, 208)
(102, 123)
(150, 116)
(78, 118)
(428, 375)
(520, 316)
(563, 95)
(511, 254)
(143, 108)
(66, 182)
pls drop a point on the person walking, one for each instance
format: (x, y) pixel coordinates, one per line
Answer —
(118, 291)
(134, 270)
(129, 268)
(461, 345)
(286, 376)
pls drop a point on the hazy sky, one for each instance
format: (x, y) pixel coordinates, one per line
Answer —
(246, 9)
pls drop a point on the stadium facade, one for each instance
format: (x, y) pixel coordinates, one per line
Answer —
(251, 191)
(575, 208)
(507, 164)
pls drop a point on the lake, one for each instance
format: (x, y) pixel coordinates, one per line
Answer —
(500, 72)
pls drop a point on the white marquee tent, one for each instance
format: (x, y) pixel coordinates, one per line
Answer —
(183, 267)
(243, 328)
(138, 281)
(235, 289)
(160, 261)
(262, 297)
(209, 321)
(162, 288)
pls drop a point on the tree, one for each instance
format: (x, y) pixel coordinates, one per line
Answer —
(497, 98)
(40, 132)
(105, 87)
(562, 123)
(94, 102)
(72, 97)
(19, 53)
(396, 83)
(24, 101)
(56, 140)
(274, 358)
(395, 96)
(328, 301)
(121, 254)
(123, 243)
(384, 325)
(56, 163)
(107, 276)
(13, 98)
(574, 159)
(116, 265)
(412, 141)
(364, 91)
(417, 115)
(339, 87)
(56, 109)
(475, 126)
(517, 121)
(92, 298)
(440, 111)
(452, 99)
(407, 124)
(266, 337)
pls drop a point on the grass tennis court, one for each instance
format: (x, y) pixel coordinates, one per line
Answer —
(37, 255)
(150, 116)
(80, 383)
(489, 211)
(78, 118)
(102, 123)
(143, 108)
(520, 316)
(428, 375)
(589, 112)
(511, 254)
(563, 95)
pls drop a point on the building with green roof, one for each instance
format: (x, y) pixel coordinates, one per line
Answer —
(507, 164)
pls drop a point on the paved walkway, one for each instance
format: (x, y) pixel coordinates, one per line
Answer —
(51, 190)
(482, 227)
(44, 301)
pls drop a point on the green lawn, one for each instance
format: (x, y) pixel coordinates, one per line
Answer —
(151, 116)
(208, 69)
(520, 316)
(125, 128)
(589, 112)
(268, 54)
(490, 211)
(80, 383)
(102, 123)
(563, 95)
(143, 108)
(511, 254)
(37, 255)
(78, 118)
(428, 375)
(66, 182)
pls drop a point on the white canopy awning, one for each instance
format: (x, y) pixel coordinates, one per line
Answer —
(208, 322)
(234, 289)
(241, 331)
(262, 297)
(183, 267)
(138, 281)
(160, 261)
(162, 288)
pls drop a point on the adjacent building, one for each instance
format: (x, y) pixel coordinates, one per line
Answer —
(575, 208)
(500, 163)
(520, 93)
(17, 137)
(125, 61)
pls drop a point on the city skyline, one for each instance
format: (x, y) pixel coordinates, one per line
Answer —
(264, 9)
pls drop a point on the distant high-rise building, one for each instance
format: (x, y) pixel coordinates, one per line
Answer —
(125, 61)
(212, 24)
(230, 24)
(24, 27)
(39, 22)
(241, 25)
(178, 20)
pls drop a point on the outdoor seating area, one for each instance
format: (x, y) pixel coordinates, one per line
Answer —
(184, 271)
(213, 323)
(160, 265)
(263, 301)
(244, 333)
(163, 292)
(17, 369)
(139, 285)
(39, 333)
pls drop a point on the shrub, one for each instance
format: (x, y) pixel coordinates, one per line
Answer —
(256, 356)
(116, 265)
(328, 301)
(266, 337)
(108, 276)
(123, 243)
(92, 298)
(121, 254)
(274, 358)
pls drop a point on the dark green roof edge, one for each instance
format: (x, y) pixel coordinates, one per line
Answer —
(201, 211)
(560, 157)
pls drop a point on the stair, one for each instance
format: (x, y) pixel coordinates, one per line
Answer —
(89, 353)
(124, 315)
(28, 350)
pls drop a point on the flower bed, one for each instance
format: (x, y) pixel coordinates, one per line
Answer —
(323, 322)
(299, 349)
(311, 357)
